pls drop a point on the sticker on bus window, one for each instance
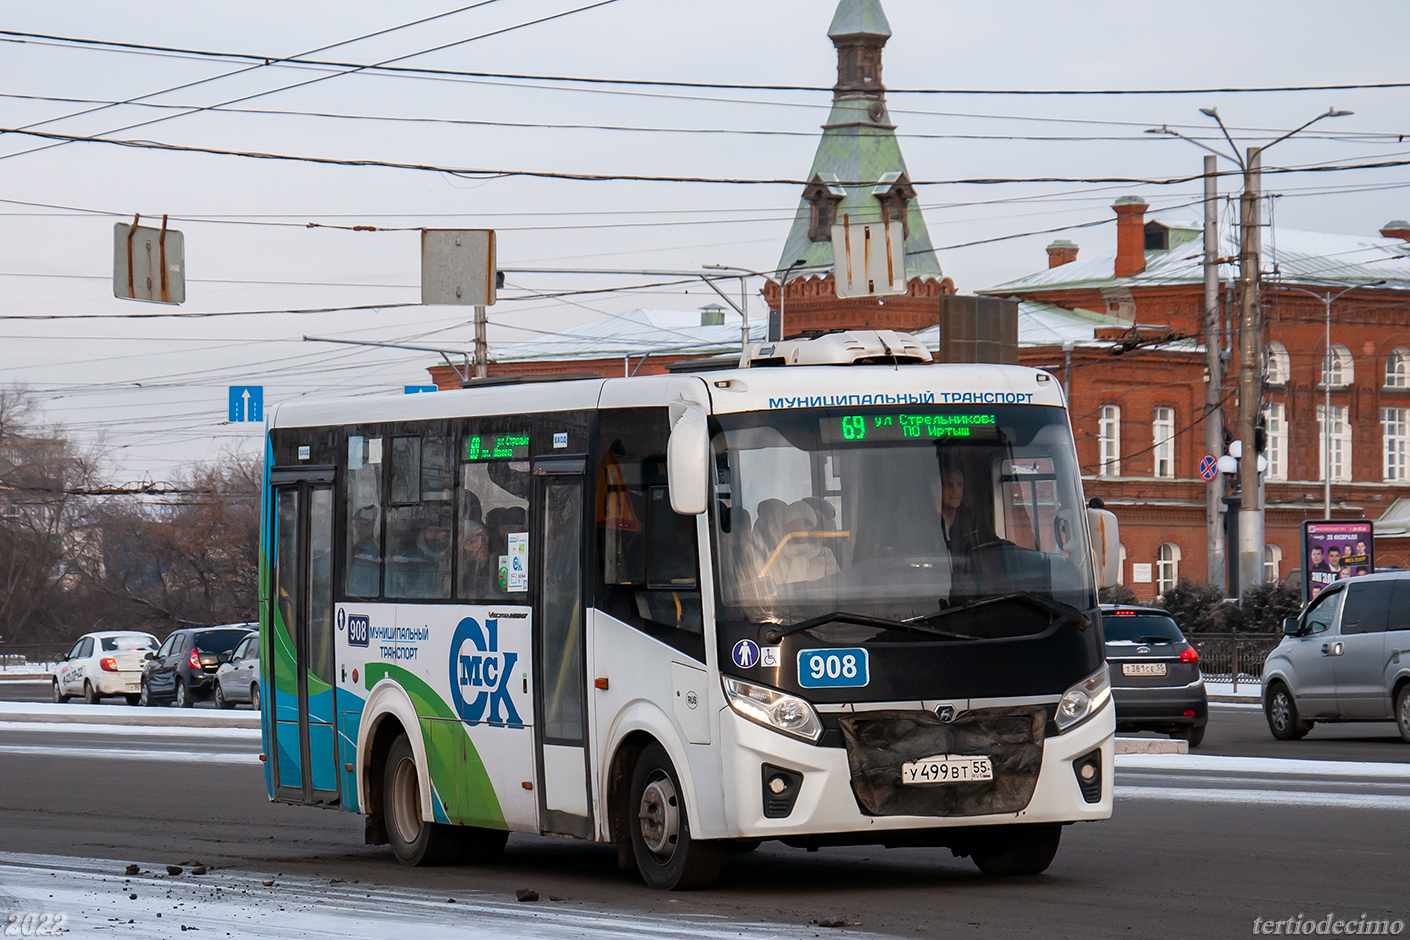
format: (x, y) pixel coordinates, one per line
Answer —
(374, 450)
(833, 668)
(517, 577)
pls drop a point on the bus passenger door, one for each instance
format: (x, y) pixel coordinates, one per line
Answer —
(300, 685)
(557, 561)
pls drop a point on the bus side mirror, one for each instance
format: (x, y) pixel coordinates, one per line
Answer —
(688, 461)
(1105, 539)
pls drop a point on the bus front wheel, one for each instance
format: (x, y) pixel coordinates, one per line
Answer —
(414, 841)
(1018, 850)
(666, 855)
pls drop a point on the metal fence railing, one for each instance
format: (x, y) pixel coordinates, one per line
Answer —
(34, 657)
(1233, 657)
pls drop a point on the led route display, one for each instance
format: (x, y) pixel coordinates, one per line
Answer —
(903, 426)
(497, 447)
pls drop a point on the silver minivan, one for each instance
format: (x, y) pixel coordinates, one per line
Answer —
(1346, 657)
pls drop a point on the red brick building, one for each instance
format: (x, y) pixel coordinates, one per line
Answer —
(1138, 415)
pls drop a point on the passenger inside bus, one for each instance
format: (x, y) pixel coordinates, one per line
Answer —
(478, 566)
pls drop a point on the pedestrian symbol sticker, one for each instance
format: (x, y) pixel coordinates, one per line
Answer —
(746, 654)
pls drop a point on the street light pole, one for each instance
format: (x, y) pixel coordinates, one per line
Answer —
(776, 333)
(1251, 519)
(1250, 546)
(1214, 390)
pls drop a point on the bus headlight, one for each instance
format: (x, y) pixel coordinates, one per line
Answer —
(773, 709)
(1084, 700)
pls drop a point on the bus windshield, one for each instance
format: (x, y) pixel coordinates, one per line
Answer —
(897, 513)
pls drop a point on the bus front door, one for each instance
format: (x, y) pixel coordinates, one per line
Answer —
(557, 561)
(300, 685)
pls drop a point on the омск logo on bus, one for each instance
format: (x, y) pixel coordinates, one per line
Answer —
(479, 673)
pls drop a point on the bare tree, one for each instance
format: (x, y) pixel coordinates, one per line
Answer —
(190, 557)
(45, 523)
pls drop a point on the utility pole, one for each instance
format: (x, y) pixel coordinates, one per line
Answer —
(1214, 390)
(1249, 544)
(1250, 547)
(482, 346)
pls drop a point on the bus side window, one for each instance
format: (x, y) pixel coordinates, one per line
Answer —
(493, 506)
(421, 518)
(363, 570)
(648, 553)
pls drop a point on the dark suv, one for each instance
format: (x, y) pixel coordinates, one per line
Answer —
(1155, 675)
(183, 669)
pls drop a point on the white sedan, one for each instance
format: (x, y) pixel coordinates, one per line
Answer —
(102, 664)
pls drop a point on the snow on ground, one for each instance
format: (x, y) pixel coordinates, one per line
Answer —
(1264, 765)
(94, 895)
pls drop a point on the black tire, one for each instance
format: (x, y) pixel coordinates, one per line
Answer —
(1018, 850)
(414, 841)
(254, 695)
(90, 695)
(145, 696)
(220, 700)
(667, 857)
(181, 698)
(134, 698)
(1193, 734)
(1402, 711)
(59, 697)
(1281, 711)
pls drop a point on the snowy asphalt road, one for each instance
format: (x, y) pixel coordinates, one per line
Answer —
(1200, 845)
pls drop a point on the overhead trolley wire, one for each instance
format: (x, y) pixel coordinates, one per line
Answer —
(302, 59)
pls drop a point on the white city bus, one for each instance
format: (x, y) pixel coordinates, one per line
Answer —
(843, 596)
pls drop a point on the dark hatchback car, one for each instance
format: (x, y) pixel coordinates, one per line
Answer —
(1155, 676)
(183, 670)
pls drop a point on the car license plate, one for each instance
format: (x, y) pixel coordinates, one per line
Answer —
(947, 769)
(1143, 669)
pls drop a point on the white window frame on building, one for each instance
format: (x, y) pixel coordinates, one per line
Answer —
(1275, 424)
(1163, 441)
(1398, 368)
(1395, 444)
(1340, 439)
(1167, 567)
(1272, 563)
(1109, 441)
(1338, 368)
(1276, 365)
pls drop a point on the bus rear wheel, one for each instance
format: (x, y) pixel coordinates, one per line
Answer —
(1017, 850)
(414, 841)
(666, 855)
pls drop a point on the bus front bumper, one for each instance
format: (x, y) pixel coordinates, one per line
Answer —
(826, 806)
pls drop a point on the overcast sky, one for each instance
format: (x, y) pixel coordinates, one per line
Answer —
(155, 390)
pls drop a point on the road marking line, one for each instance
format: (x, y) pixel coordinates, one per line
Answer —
(1270, 798)
(122, 753)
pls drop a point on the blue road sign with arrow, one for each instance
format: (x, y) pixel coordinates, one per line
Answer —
(246, 403)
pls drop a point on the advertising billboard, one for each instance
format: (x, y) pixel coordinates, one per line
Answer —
(1332, 550)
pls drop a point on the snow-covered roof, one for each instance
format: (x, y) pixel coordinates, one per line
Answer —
(1287, 254)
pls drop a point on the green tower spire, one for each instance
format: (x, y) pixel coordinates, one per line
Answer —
(858, 171)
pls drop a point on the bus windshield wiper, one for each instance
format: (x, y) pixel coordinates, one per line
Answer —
(1057, 608)
(862, 620)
